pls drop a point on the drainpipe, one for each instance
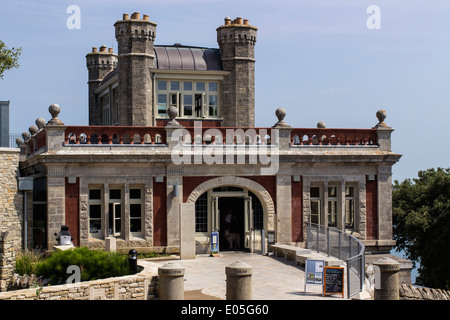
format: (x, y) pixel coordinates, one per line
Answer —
(25, 184)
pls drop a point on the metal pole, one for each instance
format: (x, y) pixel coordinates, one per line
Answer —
(328, 241)
(25, 218)
(317, 238)
(339, 244)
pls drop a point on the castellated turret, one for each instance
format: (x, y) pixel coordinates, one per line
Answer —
(236, 41)
(99, 64)
(135, 38)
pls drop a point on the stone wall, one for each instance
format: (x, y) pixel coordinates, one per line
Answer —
(11, 203)
(7, 260)
(142, 286)
(409, 292)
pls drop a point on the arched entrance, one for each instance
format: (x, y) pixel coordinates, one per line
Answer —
(236, 207)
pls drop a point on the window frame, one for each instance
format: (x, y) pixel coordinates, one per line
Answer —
(141, 202)
(211, 89)
(96, 202)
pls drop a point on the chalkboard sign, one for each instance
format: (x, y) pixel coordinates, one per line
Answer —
(334, 281)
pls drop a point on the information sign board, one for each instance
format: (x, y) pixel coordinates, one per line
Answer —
(314, 272)
(333, 281)
(214, 243)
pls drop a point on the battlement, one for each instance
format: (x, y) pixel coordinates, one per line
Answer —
(238, 31)
(135, 28)
(103, 59)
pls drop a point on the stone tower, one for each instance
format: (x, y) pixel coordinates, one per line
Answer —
(99, 64)
(135, 38)
(236, 41)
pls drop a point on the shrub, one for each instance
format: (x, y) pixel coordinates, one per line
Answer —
(27, 260)
(94, 264)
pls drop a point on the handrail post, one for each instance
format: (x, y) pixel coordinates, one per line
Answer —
(328, 241)
(318, 230)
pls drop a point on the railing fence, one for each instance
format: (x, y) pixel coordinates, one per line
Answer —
(336, 243)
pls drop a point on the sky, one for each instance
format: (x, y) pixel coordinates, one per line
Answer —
(321, 60)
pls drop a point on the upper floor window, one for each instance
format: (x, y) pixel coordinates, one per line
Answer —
(194, 99)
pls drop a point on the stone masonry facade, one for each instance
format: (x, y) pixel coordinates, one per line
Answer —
(11, 200)
(10, 214)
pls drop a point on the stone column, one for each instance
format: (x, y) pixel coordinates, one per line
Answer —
(239, 281)
(386, 279)
(171, 282)
(284, 210)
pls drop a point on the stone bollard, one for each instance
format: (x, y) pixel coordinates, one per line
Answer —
(386, 279)
(171, 282)
(239, 281)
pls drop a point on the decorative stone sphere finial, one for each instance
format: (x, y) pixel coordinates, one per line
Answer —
(54, 110)
(19, 141)
(172, 111)
(33, 130)
(381, 115)
(281, 113)
(321, 124)
(40, 122)
(26, 136)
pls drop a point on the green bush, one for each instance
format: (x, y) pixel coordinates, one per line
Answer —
(26, 261)
(94, 264)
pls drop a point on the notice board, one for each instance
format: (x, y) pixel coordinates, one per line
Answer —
(333, 281)
(314, 271)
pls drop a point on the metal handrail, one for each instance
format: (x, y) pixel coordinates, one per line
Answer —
(351, 257)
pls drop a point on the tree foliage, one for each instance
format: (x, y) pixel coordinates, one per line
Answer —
(421, 224)
(8, 58)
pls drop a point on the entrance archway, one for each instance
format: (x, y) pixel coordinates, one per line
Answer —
(231, 191)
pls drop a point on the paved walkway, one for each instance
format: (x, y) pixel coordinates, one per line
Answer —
(273, 278)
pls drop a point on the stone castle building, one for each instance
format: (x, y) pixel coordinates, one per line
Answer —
(171, 149)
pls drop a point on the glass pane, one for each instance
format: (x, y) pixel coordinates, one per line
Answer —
(135, 225)
(135, 193)
(115, 194)
(315, 192)
(118, 210)
(187, 100)
(162, 109)
(95, 194)
(315, 212)
(162, 99)
(135, 210)
(95, 226)
(349, 191)
(162, 85)
(188, 110)
(118, 227)
(187, 86)
(174, 85)
(332, 191)
(95, 211)
(200, 86)
(213, 86)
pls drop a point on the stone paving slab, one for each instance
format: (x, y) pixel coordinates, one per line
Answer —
(273, 278)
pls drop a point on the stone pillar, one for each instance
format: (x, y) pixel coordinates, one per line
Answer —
(171, 282)
(239, 281)
(284, 208)
(110, 244)
(7, 260)
(386, 279)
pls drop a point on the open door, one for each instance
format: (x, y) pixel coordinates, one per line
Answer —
(248, 225)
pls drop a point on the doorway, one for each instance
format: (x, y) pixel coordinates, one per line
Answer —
(232, 220)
